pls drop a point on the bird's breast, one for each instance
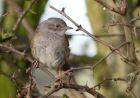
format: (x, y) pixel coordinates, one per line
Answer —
(50, 50)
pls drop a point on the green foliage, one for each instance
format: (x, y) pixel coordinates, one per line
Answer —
(11, 63)
(5, 36)
(35, 13)
(138, 50)
(7, 88)
(65, 96)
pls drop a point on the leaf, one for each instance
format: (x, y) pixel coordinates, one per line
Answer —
(4, 36)
(65, 96)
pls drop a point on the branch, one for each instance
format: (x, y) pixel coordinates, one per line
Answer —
(131, 79)
(134, 19)
(98, 62)
(28, 58)
(22, 54)
(11, 77)
(98, 35)
(128, 33)
(110, 79)
(131, 55)
(77, 87)
(94, 66)
(29, 70)
(5, 14)
(121, 10)
(109, 7)
(24, 21)
(5, 74)
(79, 27)
(22, 15)
(125, 43)
(125, 24)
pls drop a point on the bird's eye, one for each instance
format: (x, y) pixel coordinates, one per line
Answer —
(57, 26)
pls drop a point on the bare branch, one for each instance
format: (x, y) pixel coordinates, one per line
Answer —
(110, 79)
(22, 15)
(134, 19)
(22, 54)
(94, 66)
(106, 5)
(98, 62)
(131, 55)
(98, 35)
(125, 24)
(24, 21)
(4, 15)
(77, 87)
(79, 27)
(131, 78)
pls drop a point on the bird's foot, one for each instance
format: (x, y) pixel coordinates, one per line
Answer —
(35, 63)
(58, 78)
(59, 83)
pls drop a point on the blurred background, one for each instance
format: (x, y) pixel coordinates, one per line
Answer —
(84, 51)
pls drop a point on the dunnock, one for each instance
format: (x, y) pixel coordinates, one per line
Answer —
(50, 45)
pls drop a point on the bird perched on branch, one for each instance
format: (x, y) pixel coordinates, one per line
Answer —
(50, 45)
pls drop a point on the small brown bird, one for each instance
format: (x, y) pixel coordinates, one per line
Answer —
(50, 45)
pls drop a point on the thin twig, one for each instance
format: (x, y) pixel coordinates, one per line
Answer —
(11, 77)
(95, 65)
(1, 16)
(125, 43)
(28, 58)
(131, 78)
(106, 5)
(134, 19)
(98, 35)
(77, 87)
(5, 74)
(125, 24)
(22, 54)
(22, 16)
(98, 62)
(14, 5)
(79, 27)
(110, 79)
(131, 55)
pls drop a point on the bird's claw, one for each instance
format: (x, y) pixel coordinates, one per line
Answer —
(35, 63)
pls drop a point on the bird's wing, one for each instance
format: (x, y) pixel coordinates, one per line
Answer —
(66, 46)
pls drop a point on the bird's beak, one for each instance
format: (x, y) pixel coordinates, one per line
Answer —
(67, 27)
